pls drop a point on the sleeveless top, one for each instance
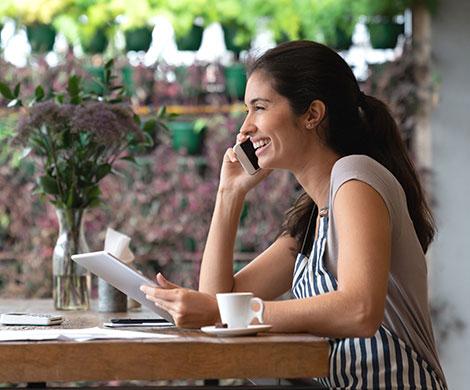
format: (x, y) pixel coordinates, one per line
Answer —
(389, 359)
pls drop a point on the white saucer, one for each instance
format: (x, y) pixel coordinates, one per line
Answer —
(232, 332)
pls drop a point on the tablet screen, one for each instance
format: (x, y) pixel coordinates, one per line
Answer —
(121, 276)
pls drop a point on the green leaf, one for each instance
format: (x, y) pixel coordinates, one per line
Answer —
(17, 90)
(94, 203)
(149, 142)
(39, 93)
(101, 171)
(38, 144)
(93, 192)
(59, 98)
(73, 89)
(130, 159)
(161, 112)
(71, 198)
(49, 185)
(150, 126)
(6, 92)
(199, 125)
(137, 119)
(109, 64)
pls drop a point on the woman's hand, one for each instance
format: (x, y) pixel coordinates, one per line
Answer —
(233, 177)
(189, 308)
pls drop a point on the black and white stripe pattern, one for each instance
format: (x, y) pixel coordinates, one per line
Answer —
(379, 362)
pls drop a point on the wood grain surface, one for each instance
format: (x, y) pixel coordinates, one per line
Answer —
(192, 354)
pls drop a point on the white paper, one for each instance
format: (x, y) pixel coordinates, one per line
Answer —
(77, 334)
(117, 244)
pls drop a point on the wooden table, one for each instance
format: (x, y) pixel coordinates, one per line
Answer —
(192, 354)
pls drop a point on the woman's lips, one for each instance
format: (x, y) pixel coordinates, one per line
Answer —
(262, 149)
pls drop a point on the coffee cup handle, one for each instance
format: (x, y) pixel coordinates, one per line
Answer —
(258, 313)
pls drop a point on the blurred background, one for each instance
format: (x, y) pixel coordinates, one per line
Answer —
(190, 56)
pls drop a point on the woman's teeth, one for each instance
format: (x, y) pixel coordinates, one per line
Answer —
(261, 143)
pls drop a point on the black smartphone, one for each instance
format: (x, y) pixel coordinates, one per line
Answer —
(246, 155)
(138, 321)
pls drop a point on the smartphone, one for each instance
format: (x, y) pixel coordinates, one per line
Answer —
(139, 321)
(246, 155)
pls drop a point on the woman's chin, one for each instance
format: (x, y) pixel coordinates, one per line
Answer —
(266, 164)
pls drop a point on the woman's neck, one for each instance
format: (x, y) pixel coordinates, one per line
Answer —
(314, 177)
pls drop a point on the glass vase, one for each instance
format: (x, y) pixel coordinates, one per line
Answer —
(70, 281)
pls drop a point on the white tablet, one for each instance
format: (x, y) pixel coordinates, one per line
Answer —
(121, 276)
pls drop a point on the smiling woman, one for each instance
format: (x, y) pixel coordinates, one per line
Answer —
(357, 267)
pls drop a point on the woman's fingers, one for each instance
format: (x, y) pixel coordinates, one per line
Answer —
(230, 155)
(164, 283)
(241, 138)
(165, 306)
(159, 293)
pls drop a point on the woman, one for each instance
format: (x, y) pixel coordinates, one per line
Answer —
(351, 248)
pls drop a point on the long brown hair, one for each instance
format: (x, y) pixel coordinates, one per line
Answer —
(303, 71)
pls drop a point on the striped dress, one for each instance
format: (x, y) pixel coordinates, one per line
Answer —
(383, 361)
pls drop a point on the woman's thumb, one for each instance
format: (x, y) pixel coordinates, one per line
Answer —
(162, 282)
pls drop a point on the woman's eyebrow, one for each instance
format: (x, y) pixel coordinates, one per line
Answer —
(258, 99)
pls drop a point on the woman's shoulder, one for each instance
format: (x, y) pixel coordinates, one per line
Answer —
(370, 171)
(360, 165)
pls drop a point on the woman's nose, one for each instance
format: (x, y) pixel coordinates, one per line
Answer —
(247, 128)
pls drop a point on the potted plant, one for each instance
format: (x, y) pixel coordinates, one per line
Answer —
(188, 22)
(38, 17)
(382, 24)
(138, 38)
(329, 22)
(187, 135)
(235, 81)
(88, 24)
(41, 37)
(94, 41)
(76, 138)
(239, 21)
(134, 20)
(189, 40)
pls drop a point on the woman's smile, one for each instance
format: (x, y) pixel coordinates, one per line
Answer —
(260, 145)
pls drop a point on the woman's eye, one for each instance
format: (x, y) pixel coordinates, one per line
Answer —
(258, 108)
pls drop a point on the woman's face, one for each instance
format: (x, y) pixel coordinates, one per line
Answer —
(277, 133)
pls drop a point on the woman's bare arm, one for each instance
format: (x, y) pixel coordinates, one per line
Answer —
(356, 309)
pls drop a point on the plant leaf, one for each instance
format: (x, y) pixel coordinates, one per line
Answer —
(6, 92)
(161, 112)
(94, 192)
(13, 103)
(101, 171)
(17, 90)
(150, 126)
(73, 88)
(130, 159)
(25, 152)
(49, 185)
(94, 202)
(39, 93)
(109, 64)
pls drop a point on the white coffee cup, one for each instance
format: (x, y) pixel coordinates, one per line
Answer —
(236, 309)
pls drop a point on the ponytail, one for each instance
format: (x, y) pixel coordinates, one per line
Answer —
(389, 150)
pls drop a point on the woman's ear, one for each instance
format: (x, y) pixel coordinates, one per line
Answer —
(315, 114)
